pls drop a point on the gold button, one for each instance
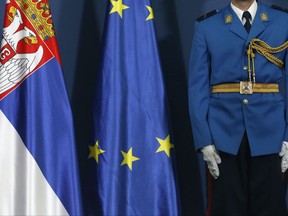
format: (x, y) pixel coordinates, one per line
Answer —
(245, 101)
(245, 67)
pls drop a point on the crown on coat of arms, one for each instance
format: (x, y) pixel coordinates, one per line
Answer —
(38, 12)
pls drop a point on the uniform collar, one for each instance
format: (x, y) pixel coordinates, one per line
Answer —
(235, 25)
(252, 10)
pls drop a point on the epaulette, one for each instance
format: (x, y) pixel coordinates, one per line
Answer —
(280, 8)
(211, 13)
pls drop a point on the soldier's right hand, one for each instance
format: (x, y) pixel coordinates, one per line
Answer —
(284, 155)
(211, 156)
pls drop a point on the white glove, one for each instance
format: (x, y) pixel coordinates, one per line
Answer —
(284, 155)
(211, 156)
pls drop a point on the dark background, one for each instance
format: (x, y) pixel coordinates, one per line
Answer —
(79, 25)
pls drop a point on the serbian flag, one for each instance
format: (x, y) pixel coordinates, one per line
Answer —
(38, 166)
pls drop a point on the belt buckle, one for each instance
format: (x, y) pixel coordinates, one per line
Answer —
(246, 87)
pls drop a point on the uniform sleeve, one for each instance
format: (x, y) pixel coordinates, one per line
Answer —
(199, 89)
(286, 93)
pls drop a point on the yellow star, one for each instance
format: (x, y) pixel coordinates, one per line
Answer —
(128, 158)
(151, 15)
(165, 145)
(118, 7)
(95, 151)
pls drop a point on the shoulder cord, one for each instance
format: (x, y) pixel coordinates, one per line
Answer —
(265, 50)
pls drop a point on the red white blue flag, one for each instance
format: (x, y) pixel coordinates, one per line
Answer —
(38, 166)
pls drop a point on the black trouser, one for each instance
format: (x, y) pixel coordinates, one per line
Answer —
(247, 186)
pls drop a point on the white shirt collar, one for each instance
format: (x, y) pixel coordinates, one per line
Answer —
(252, 10)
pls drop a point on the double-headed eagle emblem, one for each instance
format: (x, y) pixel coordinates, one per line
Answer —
(15, 65)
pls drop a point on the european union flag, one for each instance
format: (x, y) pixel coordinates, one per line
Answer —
(132, 153)
(38, 166)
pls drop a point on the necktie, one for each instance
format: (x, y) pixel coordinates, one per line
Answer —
(248, 17)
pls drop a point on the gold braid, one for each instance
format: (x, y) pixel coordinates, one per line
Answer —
(265, 50)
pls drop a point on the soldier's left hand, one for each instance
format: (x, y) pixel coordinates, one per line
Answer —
(284, 155)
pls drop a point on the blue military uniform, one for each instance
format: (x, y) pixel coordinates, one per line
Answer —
(219, 56)
(241, 126)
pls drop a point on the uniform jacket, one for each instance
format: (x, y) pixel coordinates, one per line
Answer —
(219, 56)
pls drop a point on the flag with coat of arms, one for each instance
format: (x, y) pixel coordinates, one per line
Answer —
(38, 166)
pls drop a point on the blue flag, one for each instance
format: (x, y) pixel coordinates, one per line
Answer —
(131, 160)
(38, 167)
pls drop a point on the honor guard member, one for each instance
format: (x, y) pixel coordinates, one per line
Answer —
(239, 58)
